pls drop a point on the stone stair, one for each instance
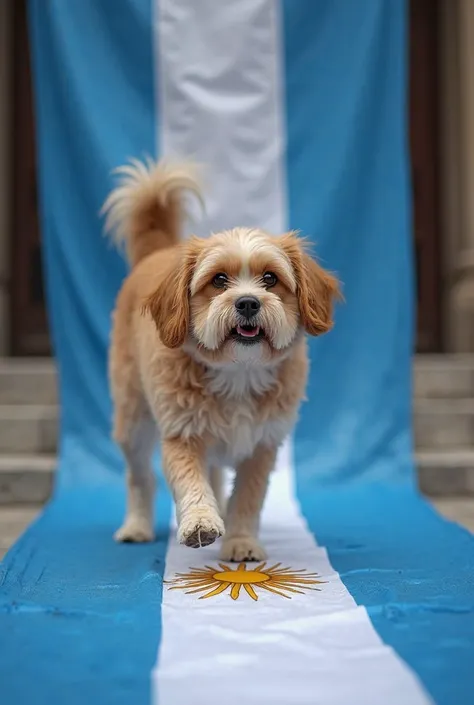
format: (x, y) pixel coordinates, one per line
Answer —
(28, 430)
(443, 423)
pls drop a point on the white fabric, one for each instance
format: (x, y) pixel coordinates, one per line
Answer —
(220, 101)
(317, 648)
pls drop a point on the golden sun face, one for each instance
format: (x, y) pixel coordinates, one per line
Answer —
(274, 579)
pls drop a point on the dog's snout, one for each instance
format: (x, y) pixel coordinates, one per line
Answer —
(247, 306)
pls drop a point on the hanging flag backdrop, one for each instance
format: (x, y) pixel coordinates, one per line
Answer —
(298, 110)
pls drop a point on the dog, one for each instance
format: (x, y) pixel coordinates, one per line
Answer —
(208, 355)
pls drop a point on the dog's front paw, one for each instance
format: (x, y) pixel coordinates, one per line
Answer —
(242, 548)
(200, 527)
(135, 530)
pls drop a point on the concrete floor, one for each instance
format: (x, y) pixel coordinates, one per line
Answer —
(460, 510)
(14, 520)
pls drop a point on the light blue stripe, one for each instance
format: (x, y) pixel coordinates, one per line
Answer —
(347, 165)
(413, 572)
(81, 613)
(347, 171)
(95, 108)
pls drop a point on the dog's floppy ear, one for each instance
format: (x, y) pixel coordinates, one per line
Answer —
(169, 304)
(316, 288)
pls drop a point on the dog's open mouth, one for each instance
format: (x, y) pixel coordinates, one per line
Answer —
(247, 334)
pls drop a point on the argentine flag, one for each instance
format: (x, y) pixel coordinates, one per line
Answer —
(297, 109)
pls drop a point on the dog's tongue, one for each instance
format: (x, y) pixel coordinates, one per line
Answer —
(248, 332)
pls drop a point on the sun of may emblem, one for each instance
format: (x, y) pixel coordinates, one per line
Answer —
(213, 581)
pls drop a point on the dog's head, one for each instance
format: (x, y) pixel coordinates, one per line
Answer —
(242, 296)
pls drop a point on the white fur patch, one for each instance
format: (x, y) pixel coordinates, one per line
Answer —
(243, 243)
(240, 380)
(245, 435)
(237, 429)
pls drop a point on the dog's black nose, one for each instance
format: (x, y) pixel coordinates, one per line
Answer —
(247, 306)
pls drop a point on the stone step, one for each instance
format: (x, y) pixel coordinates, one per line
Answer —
(443, 376)
(443, 424)
(33, 381)
(27, 381)
(28, 428)
(449, 472)
(438, 424)
(26, 479)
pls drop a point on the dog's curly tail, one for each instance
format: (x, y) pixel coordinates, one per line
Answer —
(145, 210)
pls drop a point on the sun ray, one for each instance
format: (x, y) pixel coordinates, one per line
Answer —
(188, 581)
(270, 588)
(217, 591)
(207, 582)
(190, 584)
(216, 580)
(208, 576)
(250, 591)
(296, 571)
(287, 587)
(235, 592)
(188, 589)
(197, 572)
(302, 581)
(275, 568)
(203, 587)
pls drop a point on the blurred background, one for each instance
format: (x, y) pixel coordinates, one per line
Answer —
(441, 132)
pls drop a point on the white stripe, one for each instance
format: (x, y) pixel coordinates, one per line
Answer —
(317, 648)
(220, 101)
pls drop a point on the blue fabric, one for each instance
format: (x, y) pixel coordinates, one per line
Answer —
(348, 184)
(82, 614)
(412, 570)
(348, 191)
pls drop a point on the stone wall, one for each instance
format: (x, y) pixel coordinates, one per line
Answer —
(457, 171)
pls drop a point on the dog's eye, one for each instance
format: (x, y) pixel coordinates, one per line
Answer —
(269, 279)
(220, 280)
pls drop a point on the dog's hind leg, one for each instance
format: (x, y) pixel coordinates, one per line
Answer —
(135, 432)
(137, 441)
(134, 429)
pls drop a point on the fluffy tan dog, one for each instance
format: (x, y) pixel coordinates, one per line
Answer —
(208, 355)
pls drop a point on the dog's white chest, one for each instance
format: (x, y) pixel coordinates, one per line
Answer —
(232, 415)
(242, 426)
(234, 445)
(238, 439)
